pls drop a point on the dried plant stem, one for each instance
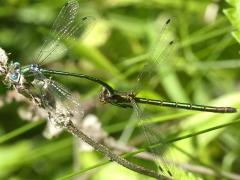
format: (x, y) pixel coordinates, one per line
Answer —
(70, 127)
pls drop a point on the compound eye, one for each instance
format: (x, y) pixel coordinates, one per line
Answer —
(14, 76)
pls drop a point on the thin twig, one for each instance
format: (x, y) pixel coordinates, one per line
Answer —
(70, 127)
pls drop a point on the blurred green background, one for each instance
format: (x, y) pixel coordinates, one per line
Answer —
(201, 68)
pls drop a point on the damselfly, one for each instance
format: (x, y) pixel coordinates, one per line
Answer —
(154, 137)
(124, 99)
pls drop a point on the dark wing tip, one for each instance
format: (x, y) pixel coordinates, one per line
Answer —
(88, 18)
(168, 21)
(84, 18)
(171, 42)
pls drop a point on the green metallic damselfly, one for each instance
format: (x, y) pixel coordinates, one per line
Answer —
(124, 99)
(151, 131)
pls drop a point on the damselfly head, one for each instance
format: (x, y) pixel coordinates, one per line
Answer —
(13, 74)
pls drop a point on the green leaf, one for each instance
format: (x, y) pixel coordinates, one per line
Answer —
(233, 15)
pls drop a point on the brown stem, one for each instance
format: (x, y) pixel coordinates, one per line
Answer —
(112, 156)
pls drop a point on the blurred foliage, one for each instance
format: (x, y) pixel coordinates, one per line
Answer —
(233, 16)
(202, 68)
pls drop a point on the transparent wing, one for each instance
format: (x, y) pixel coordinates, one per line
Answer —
(66, 107)
(161, 50)
(67, 25)
(158, 146)
(60, 105)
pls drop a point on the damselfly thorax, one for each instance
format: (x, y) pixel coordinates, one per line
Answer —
(117, 98)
